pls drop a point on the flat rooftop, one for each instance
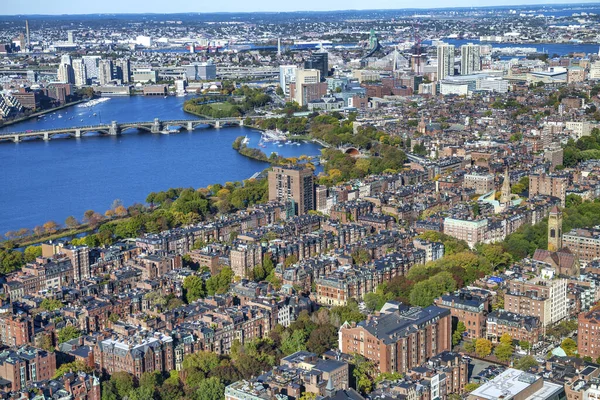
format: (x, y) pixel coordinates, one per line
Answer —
(510, 383)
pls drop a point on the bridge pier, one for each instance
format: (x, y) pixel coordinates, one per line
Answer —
(114, 129)
(190, 126)
(217, 124)
(17, 139)
(241, 122)
(156, 128)
(78, 133)
(46, 137)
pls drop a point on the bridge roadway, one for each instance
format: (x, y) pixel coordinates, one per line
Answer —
(115, 128)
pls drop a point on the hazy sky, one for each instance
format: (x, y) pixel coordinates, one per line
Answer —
(11, 7)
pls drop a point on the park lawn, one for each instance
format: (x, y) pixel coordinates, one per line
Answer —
(221, 106)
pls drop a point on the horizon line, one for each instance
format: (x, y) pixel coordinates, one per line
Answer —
(309, 11)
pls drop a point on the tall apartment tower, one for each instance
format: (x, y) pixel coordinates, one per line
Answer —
(308, 86)
(293, 184)
(470, 58)
(445, 56)
(105, 68)
(124, 70)
(80, 71)
(65, 73)
(555, 229)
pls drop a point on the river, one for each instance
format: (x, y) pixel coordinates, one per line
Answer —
(44, 181)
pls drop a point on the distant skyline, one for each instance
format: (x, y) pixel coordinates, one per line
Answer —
(184, 6)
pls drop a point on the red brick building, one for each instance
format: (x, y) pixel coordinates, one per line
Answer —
(399, 338)
(588, 334)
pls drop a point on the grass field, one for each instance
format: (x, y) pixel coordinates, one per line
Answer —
(221, 106)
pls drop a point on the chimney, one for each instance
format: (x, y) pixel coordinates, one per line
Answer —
(27, 32)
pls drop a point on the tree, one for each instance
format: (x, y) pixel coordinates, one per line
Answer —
(194, 288)
(123, 383)
(204, 361)
(109, 391)
(483, 347)
(363, 373)
(32, 252)
(525, 363)
(293, 342)
(120, 211)
(75, 366)
(506, 339)
(503, 352)
(210, 389)
(50, 304)
(50, 227)
(67, 333)
(469, 387)
(458, 333)
(569, 346)
(71, 222)
(524, 344)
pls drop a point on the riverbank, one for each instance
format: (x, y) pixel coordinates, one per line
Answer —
(37, 114)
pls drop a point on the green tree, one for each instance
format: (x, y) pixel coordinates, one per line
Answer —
(205, 361)
(569, 346)
(67, 333)
(50, 304)
(469, 387)
(75, 366)
(210, 389)
(293, 342)
(123, 383)
(32, 252)
(364, 370)
(458, 333)
(503, 352)
(525, 363)
(194, 288)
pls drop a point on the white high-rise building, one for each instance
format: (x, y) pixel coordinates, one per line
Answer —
(79, 69)
(65, 74)
(91, 65)
(65, 59)
(287, 75)
(445, 56)
(470, 58)
(105, 68)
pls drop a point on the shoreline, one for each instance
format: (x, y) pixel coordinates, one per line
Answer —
(37, 114)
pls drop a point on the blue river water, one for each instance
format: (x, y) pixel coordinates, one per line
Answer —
(562, 49)
(44, 181)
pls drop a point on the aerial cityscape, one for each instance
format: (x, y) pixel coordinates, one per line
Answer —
(293, 202)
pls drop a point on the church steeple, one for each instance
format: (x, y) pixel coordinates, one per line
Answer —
(555, 229)
(505, 193)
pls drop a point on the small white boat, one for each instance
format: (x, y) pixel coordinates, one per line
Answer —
(59, 116)
(246, 140)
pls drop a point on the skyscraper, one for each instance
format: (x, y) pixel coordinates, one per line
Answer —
(445, 56)
(65, 73)
(470, 58)
(65, 59)
(124, 70)
(80, 71)
(287, 75)
(308, 86)
(293, 183)
(105, 68)
(318, 61)
(91, 65)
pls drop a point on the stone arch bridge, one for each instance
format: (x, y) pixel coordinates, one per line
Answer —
(116, 128)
